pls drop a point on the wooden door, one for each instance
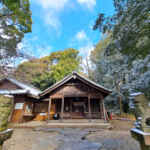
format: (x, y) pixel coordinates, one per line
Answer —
(78, 110)
(18, 111)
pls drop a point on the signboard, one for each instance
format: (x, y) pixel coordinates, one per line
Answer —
(19, 105)
(42, 114)
(78, 103)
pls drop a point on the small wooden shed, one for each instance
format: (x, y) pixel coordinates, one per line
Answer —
(24, 97)
(76, 97)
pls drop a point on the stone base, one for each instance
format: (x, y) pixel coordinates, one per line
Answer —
(142, 137)
(4, 136)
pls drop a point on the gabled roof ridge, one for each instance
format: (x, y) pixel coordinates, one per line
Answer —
(57, 83)
(67, 78)
(92, 82)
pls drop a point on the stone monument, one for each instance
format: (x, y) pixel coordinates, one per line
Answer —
(141, 132)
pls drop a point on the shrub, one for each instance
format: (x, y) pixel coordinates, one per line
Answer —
(5, 110)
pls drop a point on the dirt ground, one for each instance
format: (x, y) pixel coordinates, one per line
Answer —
(44, 138)
(122, 125)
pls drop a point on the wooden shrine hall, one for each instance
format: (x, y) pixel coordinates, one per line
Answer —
(75, 97)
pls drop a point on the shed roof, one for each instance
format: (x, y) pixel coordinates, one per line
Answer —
(76, 75)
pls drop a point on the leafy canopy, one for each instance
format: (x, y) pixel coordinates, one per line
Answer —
(46, 71)
(15, 21)
(130, 27)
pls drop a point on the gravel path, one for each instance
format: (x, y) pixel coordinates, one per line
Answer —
(70, 139)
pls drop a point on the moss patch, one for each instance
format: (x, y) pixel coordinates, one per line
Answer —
(5, 110)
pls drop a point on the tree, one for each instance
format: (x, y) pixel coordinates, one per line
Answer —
(128, 48)
(109, 70)
(15, 21)
(130, 27)
(63, 63)
(28, 70)
(46, 71)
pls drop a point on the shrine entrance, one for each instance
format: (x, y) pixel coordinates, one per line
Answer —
(76, 97)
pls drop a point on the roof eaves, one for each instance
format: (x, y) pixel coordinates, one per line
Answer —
(92, 82)
(32, 90)
(56, 85)
(12, 92)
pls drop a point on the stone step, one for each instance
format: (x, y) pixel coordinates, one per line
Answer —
(77, 121)
(79, 125)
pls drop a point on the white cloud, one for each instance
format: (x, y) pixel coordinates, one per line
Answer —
(50, 13)
(32, 50)
(82, 42)
(81, 35)
(44, 51)
(53, 21)
(89, 3)
(52, 4)
(85, 45)
(23, 60)
(85, 51)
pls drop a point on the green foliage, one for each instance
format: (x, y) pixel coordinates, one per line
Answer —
(19, 13)
(15, 21)
(130, 27)
(67, 61)
(122, 62)
(46, 71)
(100, 49)
(102, 63)
(28, 70)
(5, 109)
(42, 81)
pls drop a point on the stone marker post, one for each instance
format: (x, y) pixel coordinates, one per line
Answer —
(141, 132)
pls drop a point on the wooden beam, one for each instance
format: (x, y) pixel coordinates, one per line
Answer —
(49, 107)
(89, 106)
(62, 108)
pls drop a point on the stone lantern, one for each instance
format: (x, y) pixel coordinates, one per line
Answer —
(141, 132)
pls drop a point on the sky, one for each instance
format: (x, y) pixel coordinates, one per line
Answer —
(61, 24)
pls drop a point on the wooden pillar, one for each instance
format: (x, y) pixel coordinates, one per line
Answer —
(101, 109)
(89, 106)
(71, 108)
(62, 108)
(49, 108)
(104, 111)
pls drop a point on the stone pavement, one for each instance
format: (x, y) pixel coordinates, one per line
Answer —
(64, 124)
